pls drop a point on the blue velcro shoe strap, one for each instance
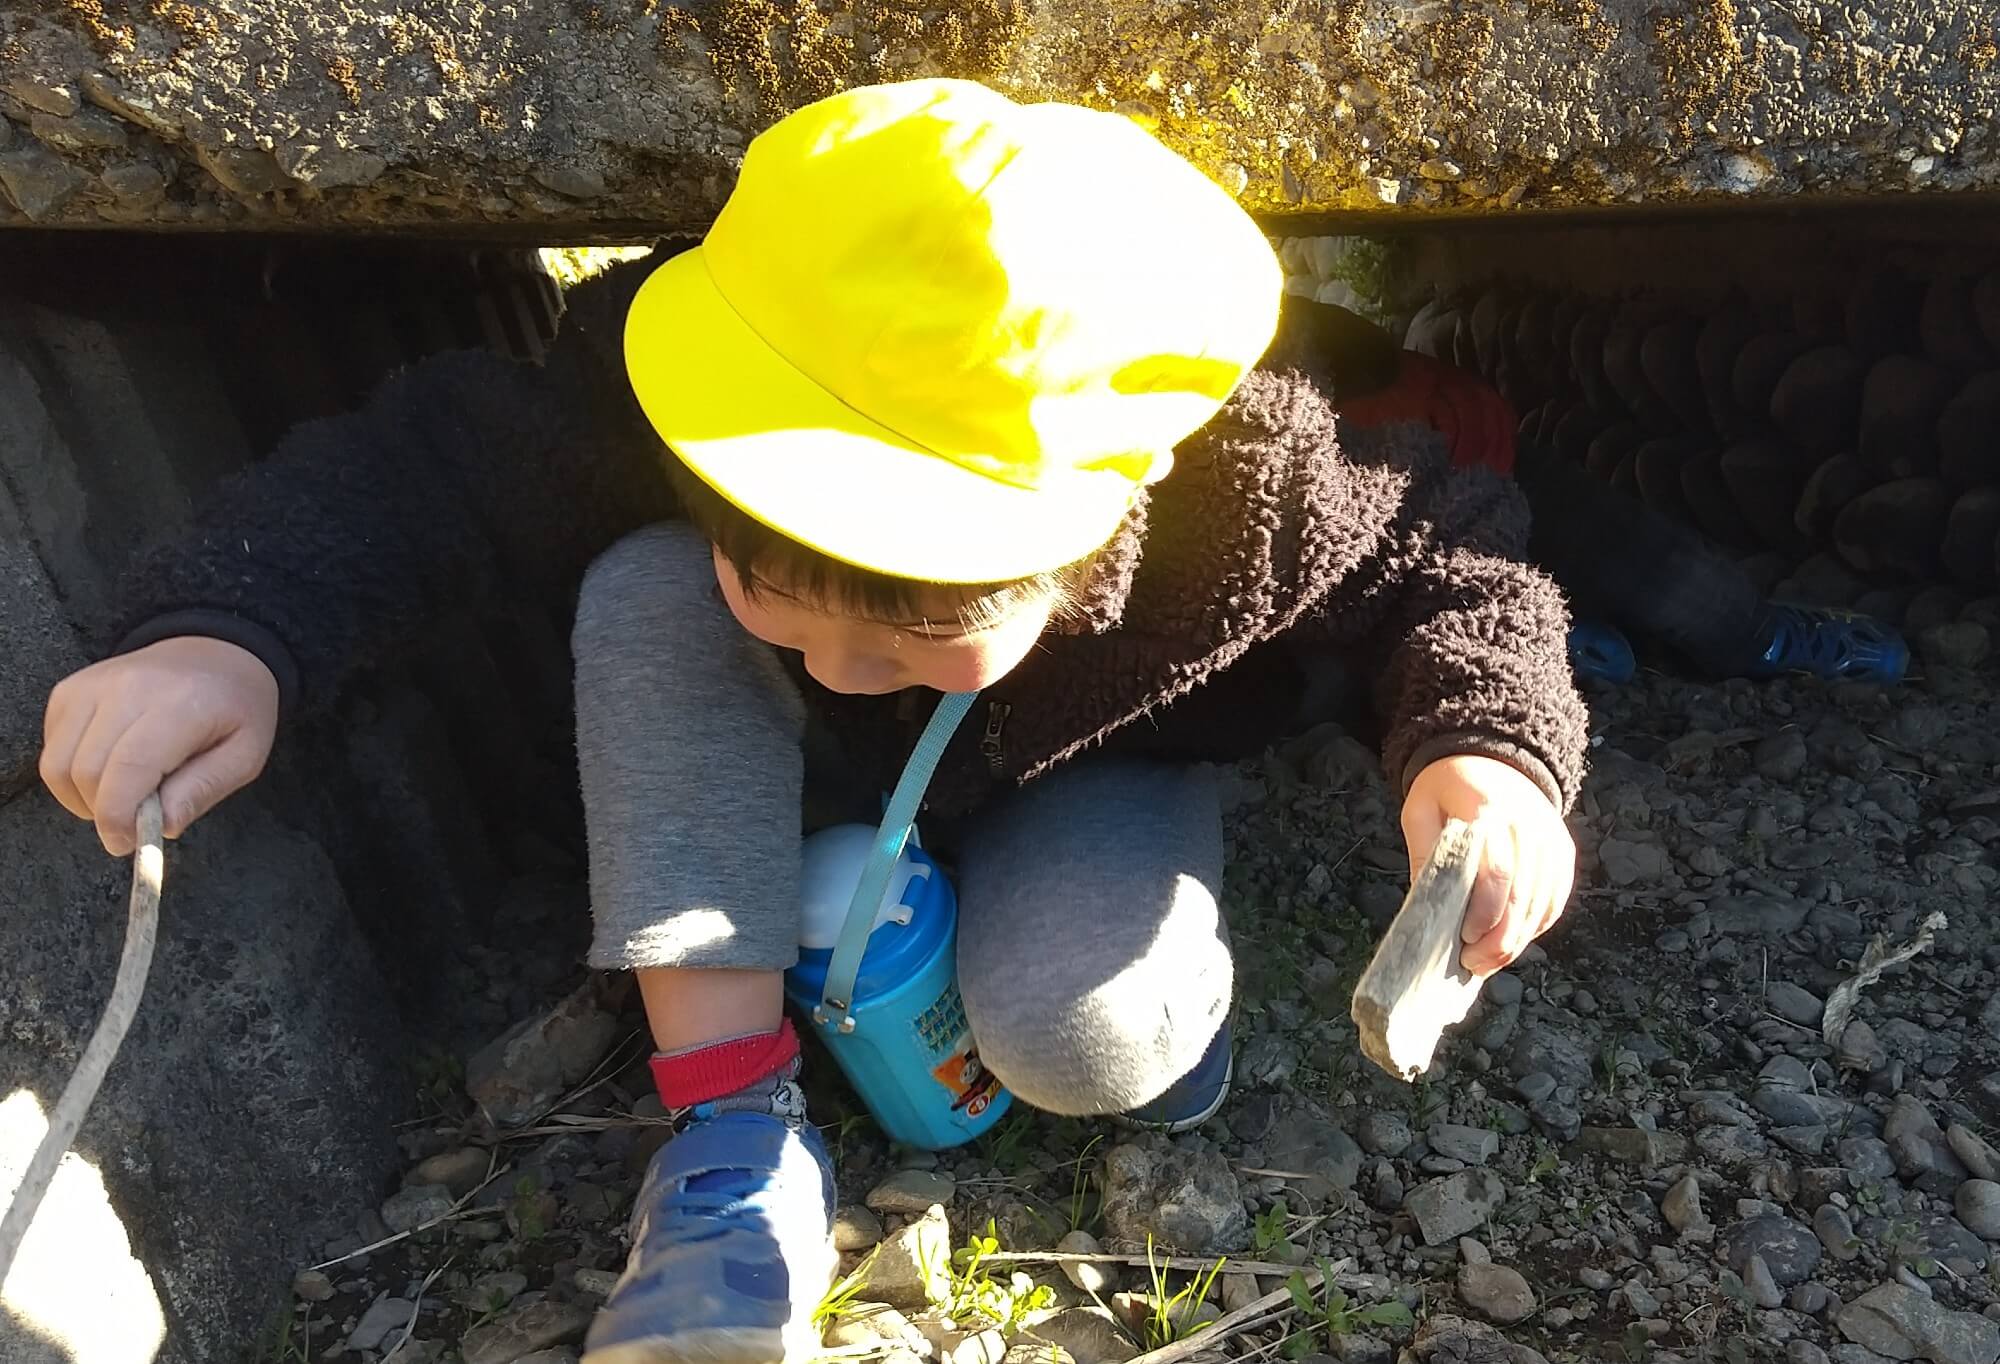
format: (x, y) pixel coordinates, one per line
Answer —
(731, 1143)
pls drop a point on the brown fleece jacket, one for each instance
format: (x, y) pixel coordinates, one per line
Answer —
(469, 475)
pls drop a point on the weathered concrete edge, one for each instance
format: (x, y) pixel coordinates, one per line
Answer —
(575, 117)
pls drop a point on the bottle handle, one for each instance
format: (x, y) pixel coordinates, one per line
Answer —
(836, 1004)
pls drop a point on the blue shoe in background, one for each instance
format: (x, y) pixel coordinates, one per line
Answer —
(1601, 653)
(732, 1249)
(1194, 1098)
(1833, 645)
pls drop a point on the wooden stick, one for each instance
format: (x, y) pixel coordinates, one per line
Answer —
(141, 931)
(1416, 987)
(1262, 1268)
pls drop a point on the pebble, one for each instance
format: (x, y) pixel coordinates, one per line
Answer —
(1804, 1352)
(523, 1330)
(1384, 1134)
(1536, 1086)
(856, 1228)
(1682, 1204)
(1972, 1149)
(416, 1206)
(1978, 1205)
(1640, 1300)
(385, 1317)
(460, 1171)
(1860, 1049)
(1758, 1283)
(1473, 1145)
(1474, 1252)
(1836, 1232)
(1789, 1249)
(1101, 1279)
(596, 1283)
(1780, 757)
(1867, 1157)
(1455, 1205)
(1504, 988)
(912, 1193)
(1496, 1292)
(1595, 1279)
(914, 1264)
(312, 1285)
(1794, 1004)
(1810, 1298)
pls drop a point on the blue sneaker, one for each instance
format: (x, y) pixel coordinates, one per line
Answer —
(1194, 1098)
(1600, 653)
(731, 1249)
(1833, 645)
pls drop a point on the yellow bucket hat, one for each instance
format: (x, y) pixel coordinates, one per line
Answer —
(945, 336)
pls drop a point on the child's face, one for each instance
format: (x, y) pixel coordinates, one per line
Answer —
(866, 659)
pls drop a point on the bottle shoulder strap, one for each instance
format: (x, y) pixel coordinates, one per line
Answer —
(836, 1005)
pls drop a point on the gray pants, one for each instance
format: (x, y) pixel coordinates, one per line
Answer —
(1092, 956)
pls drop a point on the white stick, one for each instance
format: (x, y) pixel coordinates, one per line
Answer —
(148, 868)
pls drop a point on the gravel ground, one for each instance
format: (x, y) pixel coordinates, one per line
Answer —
(1640, 1145)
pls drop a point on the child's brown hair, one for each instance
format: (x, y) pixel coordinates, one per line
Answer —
(768, 561)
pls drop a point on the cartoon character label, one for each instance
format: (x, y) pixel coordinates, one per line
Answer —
(971, 1084)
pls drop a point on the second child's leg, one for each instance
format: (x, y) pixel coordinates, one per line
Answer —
(688, 735)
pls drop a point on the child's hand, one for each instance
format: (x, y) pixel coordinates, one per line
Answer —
(1527, 857)
(191, 718)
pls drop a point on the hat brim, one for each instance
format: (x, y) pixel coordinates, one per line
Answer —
(794, 456)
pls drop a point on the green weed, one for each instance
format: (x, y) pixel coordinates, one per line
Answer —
(844, 1293)
(1172, 1315)
(976, 1295)
(1332, 1315)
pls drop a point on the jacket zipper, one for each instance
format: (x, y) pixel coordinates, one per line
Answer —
(989, 743)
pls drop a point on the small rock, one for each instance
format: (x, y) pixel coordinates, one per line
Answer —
(1473, 1252)
(1473, 1145)
(37, 181)
(1087, 1333)
(311, 1285)
(1184, 1195)
(384, 1318)
(866, 1325)
(459, 1171)
(1972, 1149)
(491, 1292)
(910, 1193)
(1955, 644)
(1978, 1206)
(1504, 988)
(1100, 1278)
(1384, 1134)
(1789, 1249)
(1793, 1004)
(1682, 1204)
(416, 1206)
(1307, 1143)
(856, 1228)
(1536, 1086)
(43, 95)
(912, 1270)
(1758, 916)
(517, 1077)
(523, 1330)
(1901, 1323)
(1781, 757)
(1595, 1279)
(1836, 1232)
(1496, 1292)
(1541, 1048)
(1758, 1283)
(1860, 1049)
(1810, 1298)
(1455, 1205)
(1639, 1300)
(597, 1283)
(1804, 1352)
(1867, 1157)
(1634, 1146)
(1628, 863)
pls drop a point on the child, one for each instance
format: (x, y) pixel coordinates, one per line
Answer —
(906, 423)
(1619, 560)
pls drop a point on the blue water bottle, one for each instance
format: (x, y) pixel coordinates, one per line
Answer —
(878, 967)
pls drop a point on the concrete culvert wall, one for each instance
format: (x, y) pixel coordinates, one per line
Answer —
(570, 117)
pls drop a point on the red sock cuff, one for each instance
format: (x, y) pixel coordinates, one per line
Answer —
(709, 1073)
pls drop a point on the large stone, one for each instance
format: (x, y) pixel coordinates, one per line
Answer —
(1789, 1249)
(1306, 1144)
(248, 1117)
(516, 1077)
(1900, 1323)
(521, 1331)
(1456, 1205)
(1183, 1194)
(638, 115)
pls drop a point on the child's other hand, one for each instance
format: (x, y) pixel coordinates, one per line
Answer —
(1527, 857)
(191, 718)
